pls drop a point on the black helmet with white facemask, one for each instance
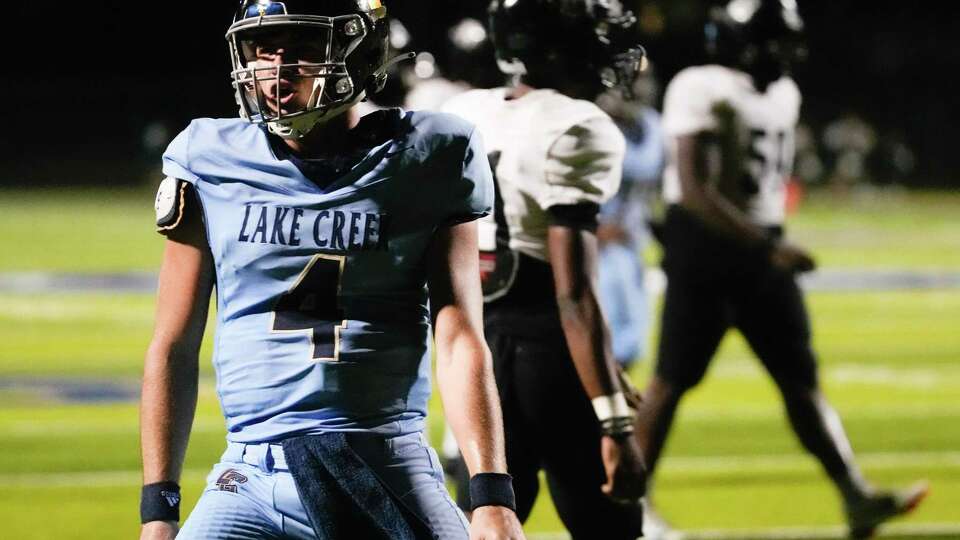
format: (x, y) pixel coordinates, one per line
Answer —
(546, 42)
(763, 38)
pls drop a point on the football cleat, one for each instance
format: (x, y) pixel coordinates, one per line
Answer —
(655, 527)
(865, 515)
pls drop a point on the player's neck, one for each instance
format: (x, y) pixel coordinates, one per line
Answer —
(519, 90)
(327, 138)
(575, 91)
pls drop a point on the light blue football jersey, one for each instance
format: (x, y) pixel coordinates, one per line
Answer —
(322, 317)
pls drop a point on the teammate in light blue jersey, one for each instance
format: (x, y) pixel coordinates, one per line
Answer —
(623, 229)
(325, 235)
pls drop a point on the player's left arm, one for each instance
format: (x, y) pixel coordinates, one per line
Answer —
(584, 169)
(465, 370)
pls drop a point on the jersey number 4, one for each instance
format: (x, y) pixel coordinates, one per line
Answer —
(312, 305)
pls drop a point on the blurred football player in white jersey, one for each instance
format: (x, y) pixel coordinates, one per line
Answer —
(556, 158)
(335, 244)
(730, 128)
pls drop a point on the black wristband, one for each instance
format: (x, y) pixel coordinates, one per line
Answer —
(617, 427)
(492, 489)
(160, 502)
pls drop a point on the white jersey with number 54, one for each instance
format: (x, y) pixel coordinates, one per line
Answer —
(770, 116)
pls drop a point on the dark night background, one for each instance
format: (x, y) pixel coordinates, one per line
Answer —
(90, 77)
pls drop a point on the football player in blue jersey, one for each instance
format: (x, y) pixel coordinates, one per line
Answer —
(325, 235)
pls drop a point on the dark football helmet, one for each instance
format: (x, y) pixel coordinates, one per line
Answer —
(470, 56)
(763, 38)
(591, 41)
(340, 45)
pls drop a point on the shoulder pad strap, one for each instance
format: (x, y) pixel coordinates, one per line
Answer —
(170, 202)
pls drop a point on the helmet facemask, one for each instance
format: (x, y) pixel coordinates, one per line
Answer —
(626, 58)
(316, 49)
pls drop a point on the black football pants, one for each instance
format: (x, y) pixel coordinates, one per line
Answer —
(550, 425)
(713, 285)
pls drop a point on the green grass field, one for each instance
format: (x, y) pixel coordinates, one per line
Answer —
(889, 365)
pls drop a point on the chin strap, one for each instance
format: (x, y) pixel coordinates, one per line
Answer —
(378, 78)
(394, 61)
(298, 128)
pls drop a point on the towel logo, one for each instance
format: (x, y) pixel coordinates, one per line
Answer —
(229, 479)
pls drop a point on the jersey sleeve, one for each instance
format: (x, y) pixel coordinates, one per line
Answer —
(177, 205)
(584, 165)
(472, 193)
(176, 159)
(687, 105)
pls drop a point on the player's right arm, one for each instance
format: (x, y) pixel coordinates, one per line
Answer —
(573, 258)
(705, 130)
(704, 200)
(169, 394)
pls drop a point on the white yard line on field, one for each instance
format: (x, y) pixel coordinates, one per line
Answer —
(850, 373)
(774, 411)
(779, 462)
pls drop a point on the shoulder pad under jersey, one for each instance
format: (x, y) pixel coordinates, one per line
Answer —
(170, 203)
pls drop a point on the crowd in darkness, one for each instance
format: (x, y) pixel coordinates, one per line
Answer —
(101, 73)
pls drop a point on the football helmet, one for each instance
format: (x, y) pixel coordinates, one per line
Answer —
(470, 56)
(339, 45)
(763, 38)
(541, 39)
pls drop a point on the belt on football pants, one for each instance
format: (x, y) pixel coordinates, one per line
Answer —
(267, 457)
